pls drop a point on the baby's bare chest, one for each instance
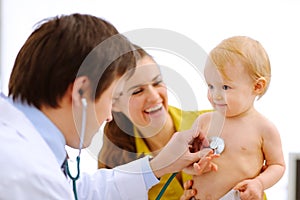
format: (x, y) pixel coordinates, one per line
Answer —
(242, 158)
(239, 137)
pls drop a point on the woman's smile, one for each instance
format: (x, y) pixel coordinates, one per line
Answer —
(154, 108)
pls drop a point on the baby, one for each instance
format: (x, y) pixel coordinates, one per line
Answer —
(237, 72)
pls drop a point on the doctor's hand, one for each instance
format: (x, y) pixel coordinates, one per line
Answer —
(176, 155)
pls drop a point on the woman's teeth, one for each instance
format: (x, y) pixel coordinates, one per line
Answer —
(155, 108)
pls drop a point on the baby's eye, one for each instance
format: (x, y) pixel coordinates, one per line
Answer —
(210, 86)
(226, 87)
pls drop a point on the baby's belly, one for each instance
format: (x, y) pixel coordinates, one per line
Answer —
(214, 185)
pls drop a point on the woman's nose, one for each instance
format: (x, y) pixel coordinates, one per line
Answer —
(152, 94)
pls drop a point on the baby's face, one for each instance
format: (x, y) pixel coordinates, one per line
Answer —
(231, 91)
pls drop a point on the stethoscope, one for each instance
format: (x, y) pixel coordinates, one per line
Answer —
(216, 143)
(83, 124)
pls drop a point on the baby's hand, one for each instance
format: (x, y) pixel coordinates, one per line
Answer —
(204, 164)
(189, 192)
(250, 189)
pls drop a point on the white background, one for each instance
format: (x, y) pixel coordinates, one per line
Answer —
(274, 23)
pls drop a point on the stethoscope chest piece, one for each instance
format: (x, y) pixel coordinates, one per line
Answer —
(217, 144)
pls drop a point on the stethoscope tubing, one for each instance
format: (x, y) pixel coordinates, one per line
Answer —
(82, 131)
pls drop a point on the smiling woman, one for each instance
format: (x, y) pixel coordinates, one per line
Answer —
(211, 21)
(142, 93)
(144, 122)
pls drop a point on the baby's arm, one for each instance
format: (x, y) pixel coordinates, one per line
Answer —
(272, 149)
(275, 165)
(200, 125)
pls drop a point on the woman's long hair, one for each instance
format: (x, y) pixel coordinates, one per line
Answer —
(118, 140)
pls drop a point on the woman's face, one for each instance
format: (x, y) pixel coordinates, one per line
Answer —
(143, 99)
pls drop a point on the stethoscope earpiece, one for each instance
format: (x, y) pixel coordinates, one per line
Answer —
(80, 91)
(84, 102)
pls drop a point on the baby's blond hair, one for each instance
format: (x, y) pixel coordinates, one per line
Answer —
(249, 52)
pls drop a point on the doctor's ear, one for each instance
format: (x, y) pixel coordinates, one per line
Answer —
(80, 90)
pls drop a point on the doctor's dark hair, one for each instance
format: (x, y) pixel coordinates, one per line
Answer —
(55, 54)
(119, 145)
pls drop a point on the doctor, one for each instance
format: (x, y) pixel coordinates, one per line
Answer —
(60, 92)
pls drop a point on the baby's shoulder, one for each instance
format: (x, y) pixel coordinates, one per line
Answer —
(203, 120)
(265, 124)
(205, 117)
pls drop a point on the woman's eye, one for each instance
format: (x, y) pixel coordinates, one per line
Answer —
(137, 91)
(157, 83)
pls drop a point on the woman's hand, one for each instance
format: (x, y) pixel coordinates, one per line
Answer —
(189, 192)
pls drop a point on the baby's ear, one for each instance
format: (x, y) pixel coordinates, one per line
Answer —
(260, 85)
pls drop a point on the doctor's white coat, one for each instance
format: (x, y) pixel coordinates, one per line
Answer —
(29, 169)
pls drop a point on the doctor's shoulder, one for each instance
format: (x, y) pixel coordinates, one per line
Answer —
(29, 169)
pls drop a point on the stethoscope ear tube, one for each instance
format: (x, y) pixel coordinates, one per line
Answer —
(82, 131)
